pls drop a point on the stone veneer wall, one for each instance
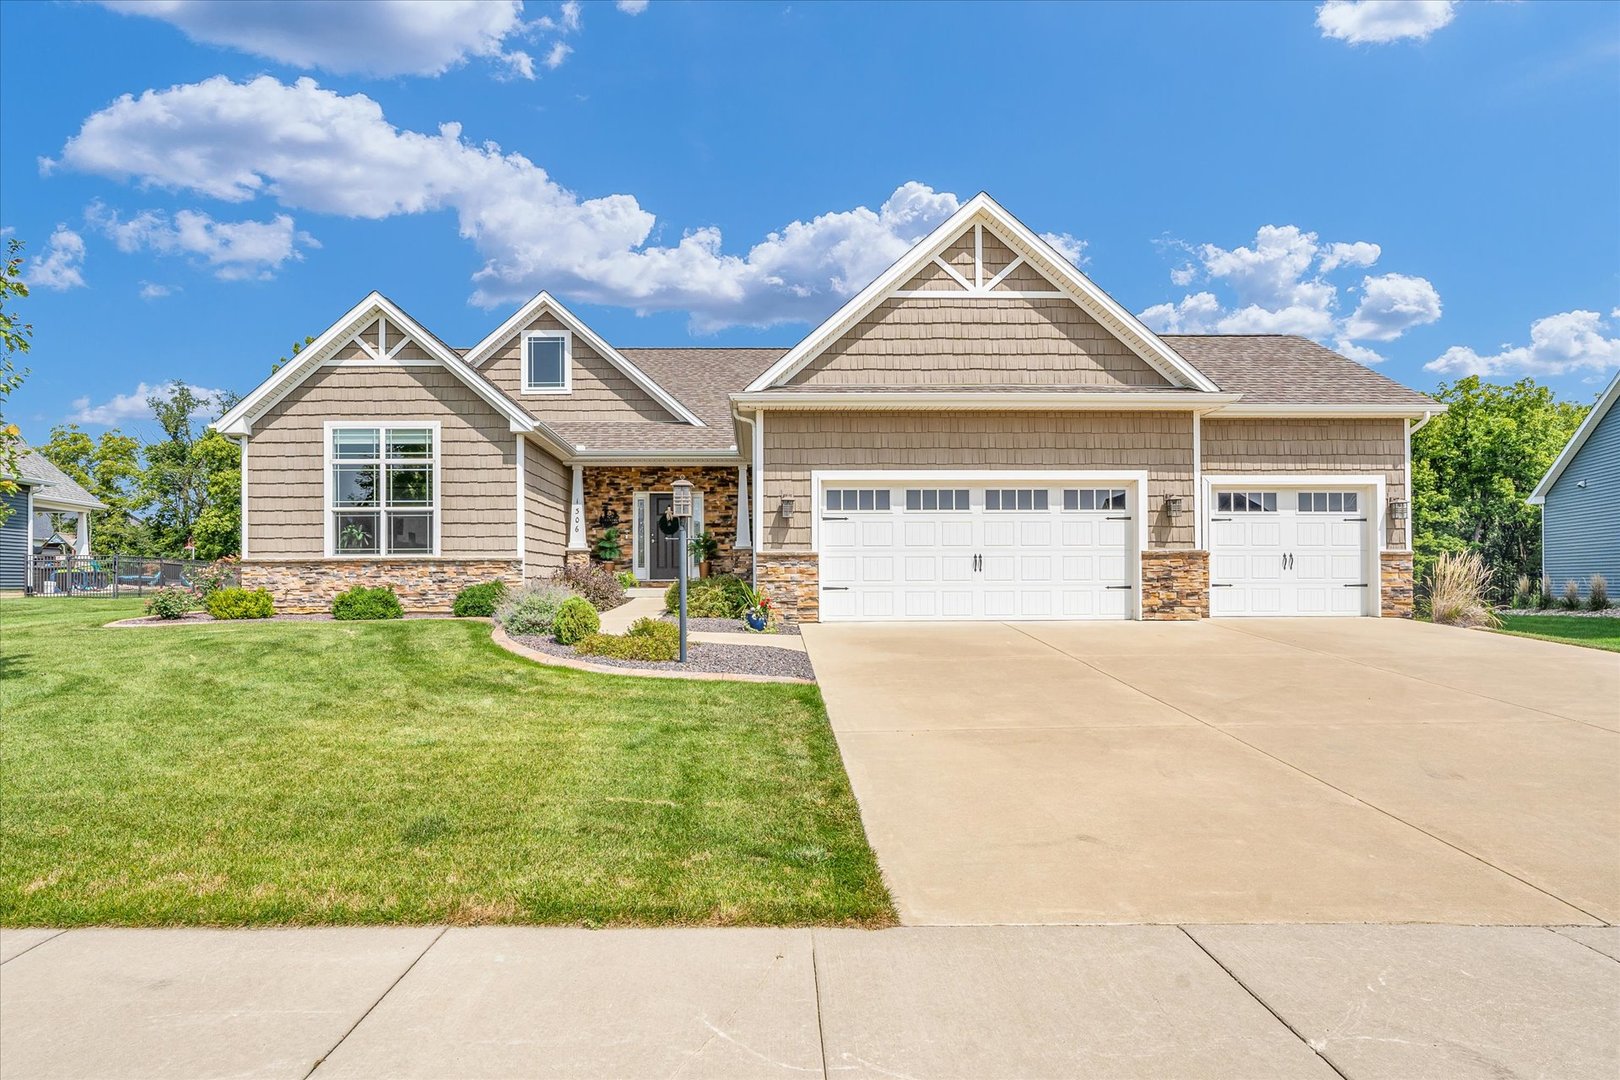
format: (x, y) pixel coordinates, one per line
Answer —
(303, 586)
(1175, 585)
(615, 487)
(791, 580)
(1395, 579)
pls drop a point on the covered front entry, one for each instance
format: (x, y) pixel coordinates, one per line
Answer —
(1292, 550)
(961, 546)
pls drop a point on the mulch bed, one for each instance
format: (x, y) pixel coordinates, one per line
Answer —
(701, 656)
(732, 626)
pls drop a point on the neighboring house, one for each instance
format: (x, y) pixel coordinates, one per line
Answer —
(1580, 501)
(43, 490)
(981, 433)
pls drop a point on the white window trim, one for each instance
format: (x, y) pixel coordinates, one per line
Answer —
(328, 511)
(567, 338)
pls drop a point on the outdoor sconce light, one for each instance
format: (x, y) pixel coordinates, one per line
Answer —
(681, 498)
(1172, 505)
(1398, 509)
(785, 508)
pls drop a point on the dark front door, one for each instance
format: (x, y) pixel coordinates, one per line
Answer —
(664, 551)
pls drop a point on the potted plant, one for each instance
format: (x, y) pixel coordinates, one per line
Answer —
(703, 548)
(756, 608)
(607, 547)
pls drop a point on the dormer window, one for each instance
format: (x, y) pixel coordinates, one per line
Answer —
(546, 366)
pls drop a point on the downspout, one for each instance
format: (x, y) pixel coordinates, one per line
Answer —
(1411, 509)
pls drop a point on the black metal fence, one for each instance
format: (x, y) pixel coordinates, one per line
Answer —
(111, 575)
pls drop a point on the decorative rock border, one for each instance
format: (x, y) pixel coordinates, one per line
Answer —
(505, 641)
(202, 618)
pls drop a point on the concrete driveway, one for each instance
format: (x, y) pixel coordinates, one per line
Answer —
(1231, 771)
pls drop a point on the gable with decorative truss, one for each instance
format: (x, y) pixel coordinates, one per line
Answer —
(983, 302)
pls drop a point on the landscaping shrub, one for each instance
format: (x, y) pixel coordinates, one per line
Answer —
(1544, 597)
(169, 603)
(597, 584)
(627, 579)
(1458, 588)
(1524, 592)
(233, 603)
(647, 640)
(1597, 592)
(576, 619)
(479, 601)
(1572, 596)
(222, 573)
(363, 602)
(530, 613)
(720, 597)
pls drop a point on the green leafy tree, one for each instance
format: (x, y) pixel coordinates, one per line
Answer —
(188, 473)
(110, 469)
(298, 347)
(1474, 465)
(14, 340)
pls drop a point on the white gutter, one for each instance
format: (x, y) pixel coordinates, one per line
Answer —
(995, 400)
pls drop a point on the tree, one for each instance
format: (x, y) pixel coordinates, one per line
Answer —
(190, 473)
(1474, 465)
(297, 348)
(110, 469)
(14, 340)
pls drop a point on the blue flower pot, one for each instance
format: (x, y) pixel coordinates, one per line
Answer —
(755, 620)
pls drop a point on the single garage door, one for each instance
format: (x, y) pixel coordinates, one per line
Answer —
(1287, 551)
(945, 550)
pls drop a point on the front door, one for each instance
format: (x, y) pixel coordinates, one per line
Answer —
(664, 551)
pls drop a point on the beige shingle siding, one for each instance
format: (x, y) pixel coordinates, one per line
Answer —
(934, 278)
(997, 255)
(477, 459)
(601, 391)
(797, 443)
(998, 341)
(960, 255)
(545, 536)
(1311, 446)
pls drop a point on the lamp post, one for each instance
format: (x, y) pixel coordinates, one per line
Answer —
(681, 506)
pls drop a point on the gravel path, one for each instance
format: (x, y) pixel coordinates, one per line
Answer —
(731, 626)
(701, 656)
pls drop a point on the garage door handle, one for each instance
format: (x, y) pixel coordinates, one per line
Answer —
(1355, 519)
(1220, 519)
(1363, 585)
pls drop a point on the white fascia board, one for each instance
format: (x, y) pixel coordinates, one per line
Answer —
(1348, 412)
(1164, 399)
(48, 502)
(1578, 440)
(1102, 306)
(485, 350)
(586, 456)
(239, 420)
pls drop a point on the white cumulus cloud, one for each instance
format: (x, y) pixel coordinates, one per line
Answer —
(62, 265)
(121, 408)
(1070, 247)
(1377, 22)
(349, 37)
(234, 250)
(315, 150)
(1279, 285)
(1559, 344)
(631, 7)
(151, 290)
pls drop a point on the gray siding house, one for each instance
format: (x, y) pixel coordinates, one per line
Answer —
(1580, 501)
(42, 490)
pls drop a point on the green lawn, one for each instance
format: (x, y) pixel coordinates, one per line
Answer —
(403, 772)
(1596, 633)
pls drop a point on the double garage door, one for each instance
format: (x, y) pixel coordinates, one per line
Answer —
(1018, 550)
(957, 550)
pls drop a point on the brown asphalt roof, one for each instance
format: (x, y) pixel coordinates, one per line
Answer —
(1279, 369)
(1267, 369)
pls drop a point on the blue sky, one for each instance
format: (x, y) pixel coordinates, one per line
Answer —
(1430, 187)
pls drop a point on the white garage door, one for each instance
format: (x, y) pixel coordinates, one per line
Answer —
(1281, 551)
(974, 551)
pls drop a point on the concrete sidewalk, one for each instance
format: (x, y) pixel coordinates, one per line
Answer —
(1162, 1002)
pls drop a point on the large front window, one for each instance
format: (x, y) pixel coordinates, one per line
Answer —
(382, 495)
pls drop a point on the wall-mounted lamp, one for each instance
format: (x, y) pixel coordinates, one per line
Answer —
(785, 508)
(1172, 505)
(1398, 509)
